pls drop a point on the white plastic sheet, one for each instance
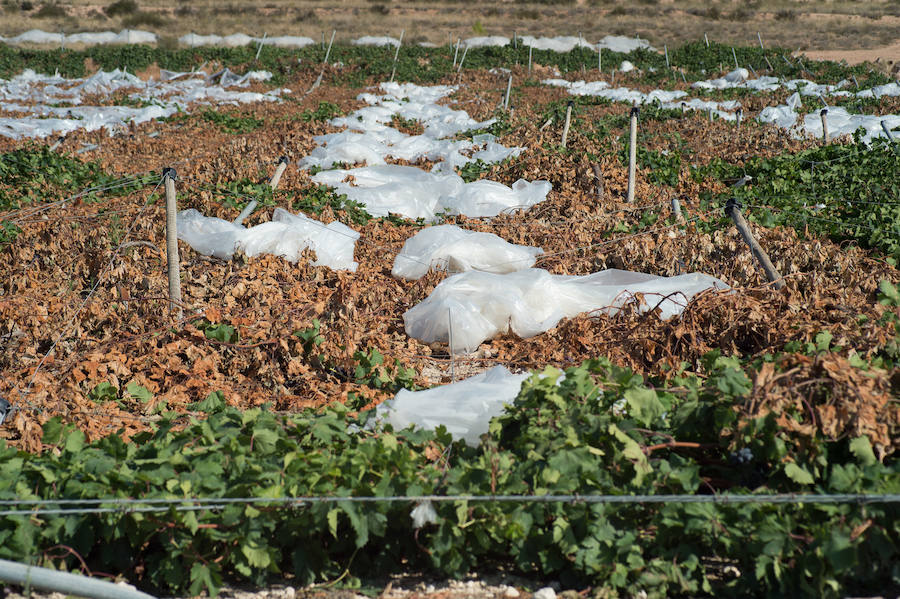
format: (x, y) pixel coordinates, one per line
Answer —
(372, 40)
(666, 98)
(481, 305)
(369, 139)
(35, 94)
(414, 193)
(485, 41)
(126, 36)
(287, 235)
(454, 249)
(464, 408)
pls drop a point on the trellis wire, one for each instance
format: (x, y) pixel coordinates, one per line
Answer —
(218, 503)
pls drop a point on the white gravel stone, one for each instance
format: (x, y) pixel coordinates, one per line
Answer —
(545, 593)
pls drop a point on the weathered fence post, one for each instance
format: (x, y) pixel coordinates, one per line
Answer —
(273, 183)
(824, 115)
(740, 114)
(462, 59)
(732, 210)
(450, 344)
(759, 37)
(397, 55)
(632, 151)
(565, 133)
(328, 51)
(261, 42)
(676, 209)
(172, 242)
(601, 184)
(508, 90)
(887, 131)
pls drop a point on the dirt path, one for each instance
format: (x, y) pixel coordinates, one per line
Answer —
(887, 55)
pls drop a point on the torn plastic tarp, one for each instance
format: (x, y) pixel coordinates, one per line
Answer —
(369, 139)
(482, 305)
(126, 36)
(840, 122)
(414, 193)
(464, 408)
(371, 40)
(287, 235)
(454, 249)
(173, 93)
(666, 98)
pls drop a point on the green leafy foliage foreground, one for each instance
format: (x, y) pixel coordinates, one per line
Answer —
(599, 430)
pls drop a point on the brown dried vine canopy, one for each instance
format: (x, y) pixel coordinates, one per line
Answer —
(123, 332)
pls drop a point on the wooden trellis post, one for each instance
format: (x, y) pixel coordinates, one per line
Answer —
(273, 183)
(172, 259)
(632, 151)
(565, 133)
(732, 209)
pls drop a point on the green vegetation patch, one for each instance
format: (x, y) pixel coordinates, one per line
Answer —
(602, 430)
(34, 174)
(229, 122)
(848, 192)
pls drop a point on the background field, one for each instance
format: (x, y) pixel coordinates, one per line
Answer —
(815, 25)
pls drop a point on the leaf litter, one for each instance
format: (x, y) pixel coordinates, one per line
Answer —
(124, 335)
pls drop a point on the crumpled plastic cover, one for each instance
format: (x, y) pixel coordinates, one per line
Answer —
(479, 305)
(454, 249)
(464, 408)
(414, 193)
(369, 139)
(287, 235)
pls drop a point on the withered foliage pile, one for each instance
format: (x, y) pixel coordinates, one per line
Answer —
(61, 336)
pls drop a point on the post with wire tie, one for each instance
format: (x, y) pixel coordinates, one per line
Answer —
(824, 114)
(273, 183)
(172, 242)
(738, 115)
(732, 209)
(565, 133)
(632, 151)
